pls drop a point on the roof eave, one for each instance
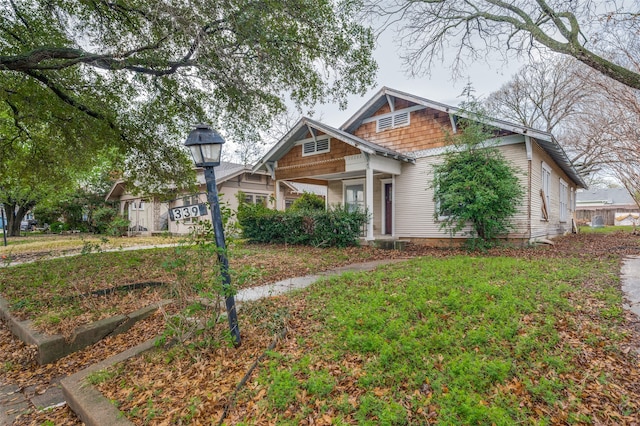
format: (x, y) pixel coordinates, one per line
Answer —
(553, 148)
(272, 154)
(113, 188)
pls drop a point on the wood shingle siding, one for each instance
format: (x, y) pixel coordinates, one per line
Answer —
(294, 165)
(427, 130)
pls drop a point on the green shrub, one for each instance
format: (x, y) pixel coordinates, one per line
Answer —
(103, 218)
(308, 201)
(56, 227)
(335, 227)
(475, 186)
(117, 226)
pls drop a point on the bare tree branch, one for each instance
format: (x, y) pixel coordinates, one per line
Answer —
(580, 28)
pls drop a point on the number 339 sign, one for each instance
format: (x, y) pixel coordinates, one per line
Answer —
(186, 212)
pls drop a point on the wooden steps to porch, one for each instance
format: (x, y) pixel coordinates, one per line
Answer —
(389, 244)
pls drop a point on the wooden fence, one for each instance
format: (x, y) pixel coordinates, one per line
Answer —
(584, 216)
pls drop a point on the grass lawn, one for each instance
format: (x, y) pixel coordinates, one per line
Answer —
(530, 336)
(59, 294)
(462, 340)
(605, 229)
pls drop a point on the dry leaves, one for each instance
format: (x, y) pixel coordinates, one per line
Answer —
(197, 389)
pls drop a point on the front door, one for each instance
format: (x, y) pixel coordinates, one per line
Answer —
(388, 210)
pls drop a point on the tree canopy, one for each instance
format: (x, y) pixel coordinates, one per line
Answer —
(595, 119)
(79, 79)
(137, 75)
(468, 29)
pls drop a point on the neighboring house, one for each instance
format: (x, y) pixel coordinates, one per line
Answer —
(612, 204)
(291, 191)
(382, 160)
(148, 215)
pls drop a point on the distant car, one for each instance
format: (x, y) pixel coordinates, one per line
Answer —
(27, 225)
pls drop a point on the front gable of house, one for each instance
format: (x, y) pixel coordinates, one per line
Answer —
(318, 154)
(405, 126)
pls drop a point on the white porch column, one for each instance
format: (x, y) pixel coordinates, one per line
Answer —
(369, 198)
(279, 199)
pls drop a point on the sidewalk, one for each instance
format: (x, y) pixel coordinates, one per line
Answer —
(630, 280)
(284, 286)
(5, 264)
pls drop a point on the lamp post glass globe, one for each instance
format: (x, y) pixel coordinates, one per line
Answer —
(205, 145)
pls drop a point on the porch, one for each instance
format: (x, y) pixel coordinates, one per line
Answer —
(366, 184)
(358, 174)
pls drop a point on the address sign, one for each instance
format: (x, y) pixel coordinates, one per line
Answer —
(187, 212)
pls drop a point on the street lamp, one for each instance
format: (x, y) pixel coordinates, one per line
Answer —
(206, 146)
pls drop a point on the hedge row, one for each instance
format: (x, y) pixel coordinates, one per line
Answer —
(335, 227)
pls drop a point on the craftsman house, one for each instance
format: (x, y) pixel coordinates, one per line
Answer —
(149, 215)
(382, 158)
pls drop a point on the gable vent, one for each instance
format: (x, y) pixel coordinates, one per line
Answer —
(399, 119)
(315, 147)
(322, 145)
(385, 123)
(309, 147)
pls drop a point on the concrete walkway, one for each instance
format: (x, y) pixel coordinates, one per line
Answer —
(132, 248)
(284, 286)
(630, 279)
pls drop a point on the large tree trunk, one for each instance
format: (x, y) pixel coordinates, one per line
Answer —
(15, 214)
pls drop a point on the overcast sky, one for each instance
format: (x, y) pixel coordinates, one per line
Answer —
(484, 77)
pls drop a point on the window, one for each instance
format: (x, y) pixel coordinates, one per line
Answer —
(354, 200)
(288, 203)
(317, 146)
(564, 192)
(256, 199)
(354, 197)
(137, 205)
(545, 192)
(189, 200)
(442, 214)
(386, 122)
